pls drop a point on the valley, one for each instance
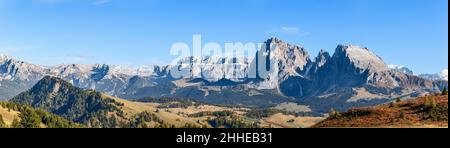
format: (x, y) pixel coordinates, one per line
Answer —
(353, 76)
(92, 109)
(55, 103)
(299, 92)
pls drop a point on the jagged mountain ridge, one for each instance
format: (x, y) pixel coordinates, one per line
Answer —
(18, 76)
(351, 75)
(89, 108)
(401, 68)
(441, 76)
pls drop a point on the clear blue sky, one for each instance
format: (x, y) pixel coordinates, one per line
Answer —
(136, 32)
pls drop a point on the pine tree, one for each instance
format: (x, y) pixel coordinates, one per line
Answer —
(445, 91)
(16, 124)
(29, 119)
(2, 123)
(402, 114)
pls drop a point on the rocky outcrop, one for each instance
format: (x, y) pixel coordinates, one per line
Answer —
(352, 76)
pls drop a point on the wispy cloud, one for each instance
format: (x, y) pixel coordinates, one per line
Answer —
(15, 48)
(71, 59)
(52, 2)
(101, 2)
(289, 30)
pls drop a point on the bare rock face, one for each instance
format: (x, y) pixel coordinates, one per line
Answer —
(401, 68)
(352, 76)
(11, 69)
(17, 76)
(441, 76)
(354, 66)
(211, 69)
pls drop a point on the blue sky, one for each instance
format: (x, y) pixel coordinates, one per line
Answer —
(137, 32)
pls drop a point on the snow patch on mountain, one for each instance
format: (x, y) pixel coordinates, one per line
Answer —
(353, 74)
(401, 68)
(443, 75)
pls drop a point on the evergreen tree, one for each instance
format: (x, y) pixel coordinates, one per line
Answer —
(29, 119)
(445, 91)
(402, 114)
(16, 124)
(2, 123)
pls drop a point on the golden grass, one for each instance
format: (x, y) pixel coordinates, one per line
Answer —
(176, 116)
(8, 116)
(289, 121)
(404, 114)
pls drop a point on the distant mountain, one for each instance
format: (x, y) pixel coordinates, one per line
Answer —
(75, 104)
(442, 76)
(18, 76)
(429, 111)
(352, 76)
(89, 108)
(401, 68)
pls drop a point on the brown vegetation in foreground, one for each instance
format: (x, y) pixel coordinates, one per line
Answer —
(428, 111)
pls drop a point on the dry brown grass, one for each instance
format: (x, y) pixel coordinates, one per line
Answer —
(289, 121)
(8, 115)
(429, 111)
(176, 116)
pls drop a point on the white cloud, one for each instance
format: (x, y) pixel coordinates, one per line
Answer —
(101, 2)
(444, 74)
(69, 59)
(394, 66)
(289, 30)
(51, 2)
(14, 48)
(75, 59)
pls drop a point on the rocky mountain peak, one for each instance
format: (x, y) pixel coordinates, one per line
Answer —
(49, 86)
(322, 58)
(4, 57)
(274, 40)
(99, 72)
(293, 57)
(161, 71)
(355, 72)
(12, 69)
(360, 57)
(401, 68)
(52, 82)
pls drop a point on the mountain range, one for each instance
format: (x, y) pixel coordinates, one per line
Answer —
(55, 103)
(441, 76)
(352, 76)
